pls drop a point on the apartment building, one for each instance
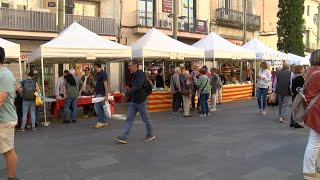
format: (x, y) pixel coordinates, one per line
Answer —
(268, 32)
(31, 23)
(139, 16)
(227, 19)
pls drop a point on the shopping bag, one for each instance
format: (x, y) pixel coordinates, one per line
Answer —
(106, 108)
(39, 97)
(272, 98)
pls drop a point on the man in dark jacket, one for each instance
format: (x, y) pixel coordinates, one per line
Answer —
(138, 103)
(282, 84)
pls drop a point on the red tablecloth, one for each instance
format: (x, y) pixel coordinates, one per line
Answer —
(59, 104)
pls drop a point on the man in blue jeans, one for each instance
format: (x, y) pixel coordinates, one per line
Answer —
(101, 91)
(138, 103)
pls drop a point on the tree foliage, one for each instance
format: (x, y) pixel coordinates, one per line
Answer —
(290, 26)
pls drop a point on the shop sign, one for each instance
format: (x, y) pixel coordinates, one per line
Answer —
(167, 6)
(236, 42)
(24, 56)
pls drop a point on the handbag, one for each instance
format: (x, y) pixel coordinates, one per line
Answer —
(204, 86)
(39, 99)
(107, 110)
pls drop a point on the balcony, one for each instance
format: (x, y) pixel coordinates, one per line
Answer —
(20, 20)
(162, 21)
(232, 18)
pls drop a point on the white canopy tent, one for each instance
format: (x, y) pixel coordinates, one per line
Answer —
(216, 47)
(264, 52)
(12, 51)
(298, 60)
(77, 44)
(156, 44)
(307, 60)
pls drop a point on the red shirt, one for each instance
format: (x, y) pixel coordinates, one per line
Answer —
(313, 89)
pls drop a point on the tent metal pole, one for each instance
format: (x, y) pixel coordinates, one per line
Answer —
(163, 72)
(20, 70)
(43, 94)
(143, 64)
(241, 71)
(213, 62)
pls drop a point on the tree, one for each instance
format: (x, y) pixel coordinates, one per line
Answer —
(290, 26)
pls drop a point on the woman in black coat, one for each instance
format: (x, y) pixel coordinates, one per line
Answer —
(297, 82)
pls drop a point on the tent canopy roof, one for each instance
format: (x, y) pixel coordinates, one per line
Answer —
(217, 47)
(155, 44)
(295, 59)
(77, 43)
(263, 51)
(11, 49)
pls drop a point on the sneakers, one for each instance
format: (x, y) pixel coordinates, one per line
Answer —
(149, 138)
(187, 115)
(313, 176)
(263, 112)
(208, 114)
(213, 109)
(121, 140)
(176, 113)
(282, 120)
(22, 130)
(33, 129)
(85, 116)
(259, 112)
(101, 125)
(203, 115)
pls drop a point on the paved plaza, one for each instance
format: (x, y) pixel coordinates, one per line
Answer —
(232, 144)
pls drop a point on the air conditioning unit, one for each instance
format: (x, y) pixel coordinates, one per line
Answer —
(181, 25)
(164, 23)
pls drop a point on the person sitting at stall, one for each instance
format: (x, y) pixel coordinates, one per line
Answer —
(159, 79)
(204, 90)
(249, 76)
(60, 88)
(186, 86)
(72, 84)
(176, 91)
(88, 89)
(170, 72)
(29, 87)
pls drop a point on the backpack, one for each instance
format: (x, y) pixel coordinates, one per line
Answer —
(299, 111)
(148, 87)
(29, 88)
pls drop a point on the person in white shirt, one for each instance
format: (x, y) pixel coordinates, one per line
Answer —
(264, 79)
(60, 89)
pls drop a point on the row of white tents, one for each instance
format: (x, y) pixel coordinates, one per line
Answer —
(77, 44)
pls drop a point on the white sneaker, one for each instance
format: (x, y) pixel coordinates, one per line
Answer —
(263, 112)
(259, 112)
(213, 109)
(282, 120)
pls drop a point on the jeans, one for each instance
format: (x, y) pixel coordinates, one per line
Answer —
(283, 102)
(133, 108)
(311, 155)
(219, 94)
(73, 102)
(262, 98)
(186, 105)
(98, 107)
(204, 103)
(26, 106)
(213, 100)
(176, 103)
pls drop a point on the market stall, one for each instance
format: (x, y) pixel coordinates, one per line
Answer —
(298, 60)
(156, 47)
(76, 44)
(230, 58)
(12, 51)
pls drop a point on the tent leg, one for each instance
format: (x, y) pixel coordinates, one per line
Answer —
(241, 71)
(204, 61)
(20, 70)
(163, 72)
(255, 78)
(213, 63)
(44, 95)
(143, 64)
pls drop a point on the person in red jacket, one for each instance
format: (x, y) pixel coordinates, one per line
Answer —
(313, 119)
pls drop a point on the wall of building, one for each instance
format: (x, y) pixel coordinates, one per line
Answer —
(311, 25)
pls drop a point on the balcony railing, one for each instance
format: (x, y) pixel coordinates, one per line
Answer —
(162, 21)
(12, 19)
(235, 18)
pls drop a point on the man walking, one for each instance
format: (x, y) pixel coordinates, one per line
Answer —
(282, 85)
(8, 117)
(175, 86)
(138, 103)
(101, 91)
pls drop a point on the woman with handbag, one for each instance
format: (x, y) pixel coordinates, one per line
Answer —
(297, 82)
(186, 85)
(313, 118)
(204, 90)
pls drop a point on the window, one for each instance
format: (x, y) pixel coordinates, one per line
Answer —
(83, 8)
(189, 12)
(308, 10)
(146, 12)
(250, 7)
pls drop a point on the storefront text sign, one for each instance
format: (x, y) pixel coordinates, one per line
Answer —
(167, 6)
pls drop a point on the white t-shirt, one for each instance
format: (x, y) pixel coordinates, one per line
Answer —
(265, 79)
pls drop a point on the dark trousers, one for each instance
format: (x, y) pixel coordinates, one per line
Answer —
(177, 100)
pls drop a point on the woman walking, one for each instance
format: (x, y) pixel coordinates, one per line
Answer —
(313, 118)
(264, 79)
(186, 85)
(297, 82)
(204, 89)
